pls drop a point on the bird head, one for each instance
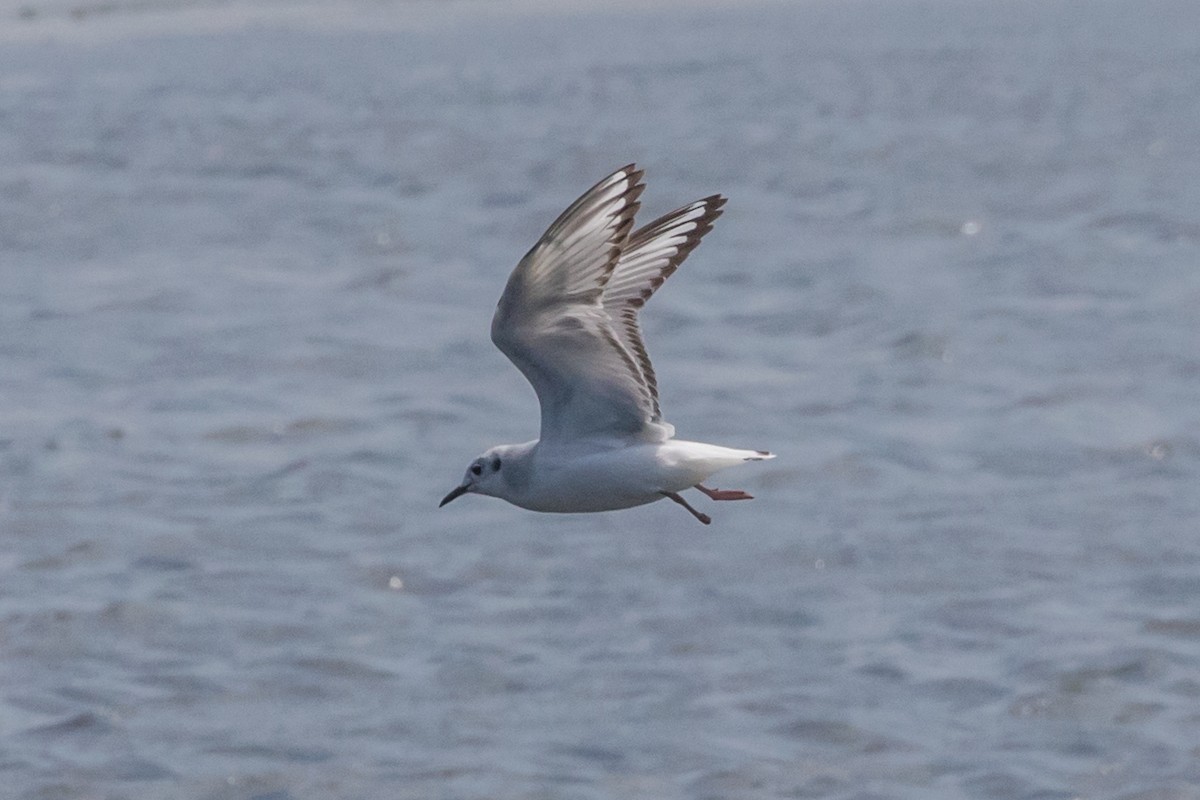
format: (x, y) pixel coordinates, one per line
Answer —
(484, 476)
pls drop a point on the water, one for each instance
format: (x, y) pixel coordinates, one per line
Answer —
(249, 256)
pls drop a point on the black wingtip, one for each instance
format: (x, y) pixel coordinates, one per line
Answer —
(632, 172)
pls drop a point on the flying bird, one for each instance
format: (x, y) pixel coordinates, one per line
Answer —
(568, 320)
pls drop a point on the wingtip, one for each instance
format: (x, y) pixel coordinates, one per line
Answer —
(633, 189)
(631, 172)
(714, 206)
(762, 455)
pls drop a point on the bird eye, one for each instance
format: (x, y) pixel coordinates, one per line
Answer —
(495, 463)
(476, 469)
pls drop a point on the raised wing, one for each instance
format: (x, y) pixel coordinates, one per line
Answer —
(650, 256)
(551, 324)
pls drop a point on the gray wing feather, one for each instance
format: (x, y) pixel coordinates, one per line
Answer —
(552, 326)
(651, 255)
(568, 315)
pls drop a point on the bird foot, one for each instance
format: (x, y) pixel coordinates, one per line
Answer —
(724, 494)
(705, 518)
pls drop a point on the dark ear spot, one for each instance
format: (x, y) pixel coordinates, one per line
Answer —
(495, 463)
(476, 469)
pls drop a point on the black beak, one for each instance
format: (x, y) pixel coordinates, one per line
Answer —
(458, 491)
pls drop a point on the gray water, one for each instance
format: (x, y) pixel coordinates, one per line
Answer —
(248, 260)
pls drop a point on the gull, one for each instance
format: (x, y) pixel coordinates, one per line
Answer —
(568, 320)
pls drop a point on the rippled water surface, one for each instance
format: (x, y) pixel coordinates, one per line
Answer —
(248, 262)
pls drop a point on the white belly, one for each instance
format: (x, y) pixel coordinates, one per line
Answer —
(620, 478)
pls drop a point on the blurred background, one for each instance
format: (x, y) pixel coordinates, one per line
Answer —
(249, 254)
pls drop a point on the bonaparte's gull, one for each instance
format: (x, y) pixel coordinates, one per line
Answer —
(568, 321)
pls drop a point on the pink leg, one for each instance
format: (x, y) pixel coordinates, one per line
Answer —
(705, 518)
(724, 494)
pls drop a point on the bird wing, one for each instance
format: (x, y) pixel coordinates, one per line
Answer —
(649, 257)
(568, 315)
(552, 325)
